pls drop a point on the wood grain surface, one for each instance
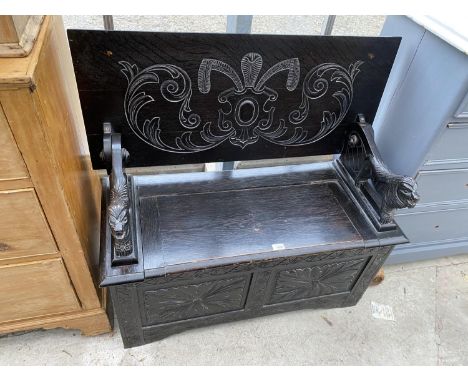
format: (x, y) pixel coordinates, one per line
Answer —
(35, 289)
(189, 228)
(11, 163)
(100, 59)
(18, 34)
(23, 228)
(52, 215)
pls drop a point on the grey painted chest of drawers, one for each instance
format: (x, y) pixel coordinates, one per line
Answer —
(422, 131)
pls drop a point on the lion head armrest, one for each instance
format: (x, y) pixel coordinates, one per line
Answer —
(379, 190)
(119, 207)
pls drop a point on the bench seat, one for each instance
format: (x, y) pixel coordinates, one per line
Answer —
(218, 234)
(180, 251)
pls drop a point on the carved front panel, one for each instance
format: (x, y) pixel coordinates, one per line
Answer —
(314, 281)
(183, 302)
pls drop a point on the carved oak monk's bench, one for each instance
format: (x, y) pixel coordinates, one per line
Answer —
(186, 250)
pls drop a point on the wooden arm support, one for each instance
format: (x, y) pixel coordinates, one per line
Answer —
(118, 211)
(380, 190)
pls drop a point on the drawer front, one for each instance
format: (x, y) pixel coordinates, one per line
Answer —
(451, 145)
(35, 289)
(11, 161)
(440, 186)
(435, 225)
(23, 228)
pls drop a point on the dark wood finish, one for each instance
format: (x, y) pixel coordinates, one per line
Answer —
(119, 208)
(379, 190)
(180, 301)
(314, 75)
(180, 251)
(208, 255)
(255, 221)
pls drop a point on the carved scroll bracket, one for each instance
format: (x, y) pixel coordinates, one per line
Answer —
(118, 210)
(379, 190)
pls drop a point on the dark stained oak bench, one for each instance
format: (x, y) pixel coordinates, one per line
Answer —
(186, 250)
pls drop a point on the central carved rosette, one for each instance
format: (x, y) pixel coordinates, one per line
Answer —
(246, 112)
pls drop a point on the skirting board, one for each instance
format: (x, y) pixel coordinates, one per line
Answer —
(425, 251)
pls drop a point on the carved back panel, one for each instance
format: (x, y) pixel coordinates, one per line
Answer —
(190, 98)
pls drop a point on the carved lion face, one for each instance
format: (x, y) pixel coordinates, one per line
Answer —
(118, 221)
(407, 192)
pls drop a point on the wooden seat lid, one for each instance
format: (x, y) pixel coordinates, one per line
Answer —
(191, 221)
(212, 226)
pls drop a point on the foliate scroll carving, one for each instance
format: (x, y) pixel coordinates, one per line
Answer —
(387, 191)
(247, 110)
(316, 85)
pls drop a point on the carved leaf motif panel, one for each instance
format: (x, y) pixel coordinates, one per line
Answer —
(193, 98)
(195, 300)
(320, 280)
(247, 110)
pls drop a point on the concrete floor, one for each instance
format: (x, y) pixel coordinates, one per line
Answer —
(429, 302)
